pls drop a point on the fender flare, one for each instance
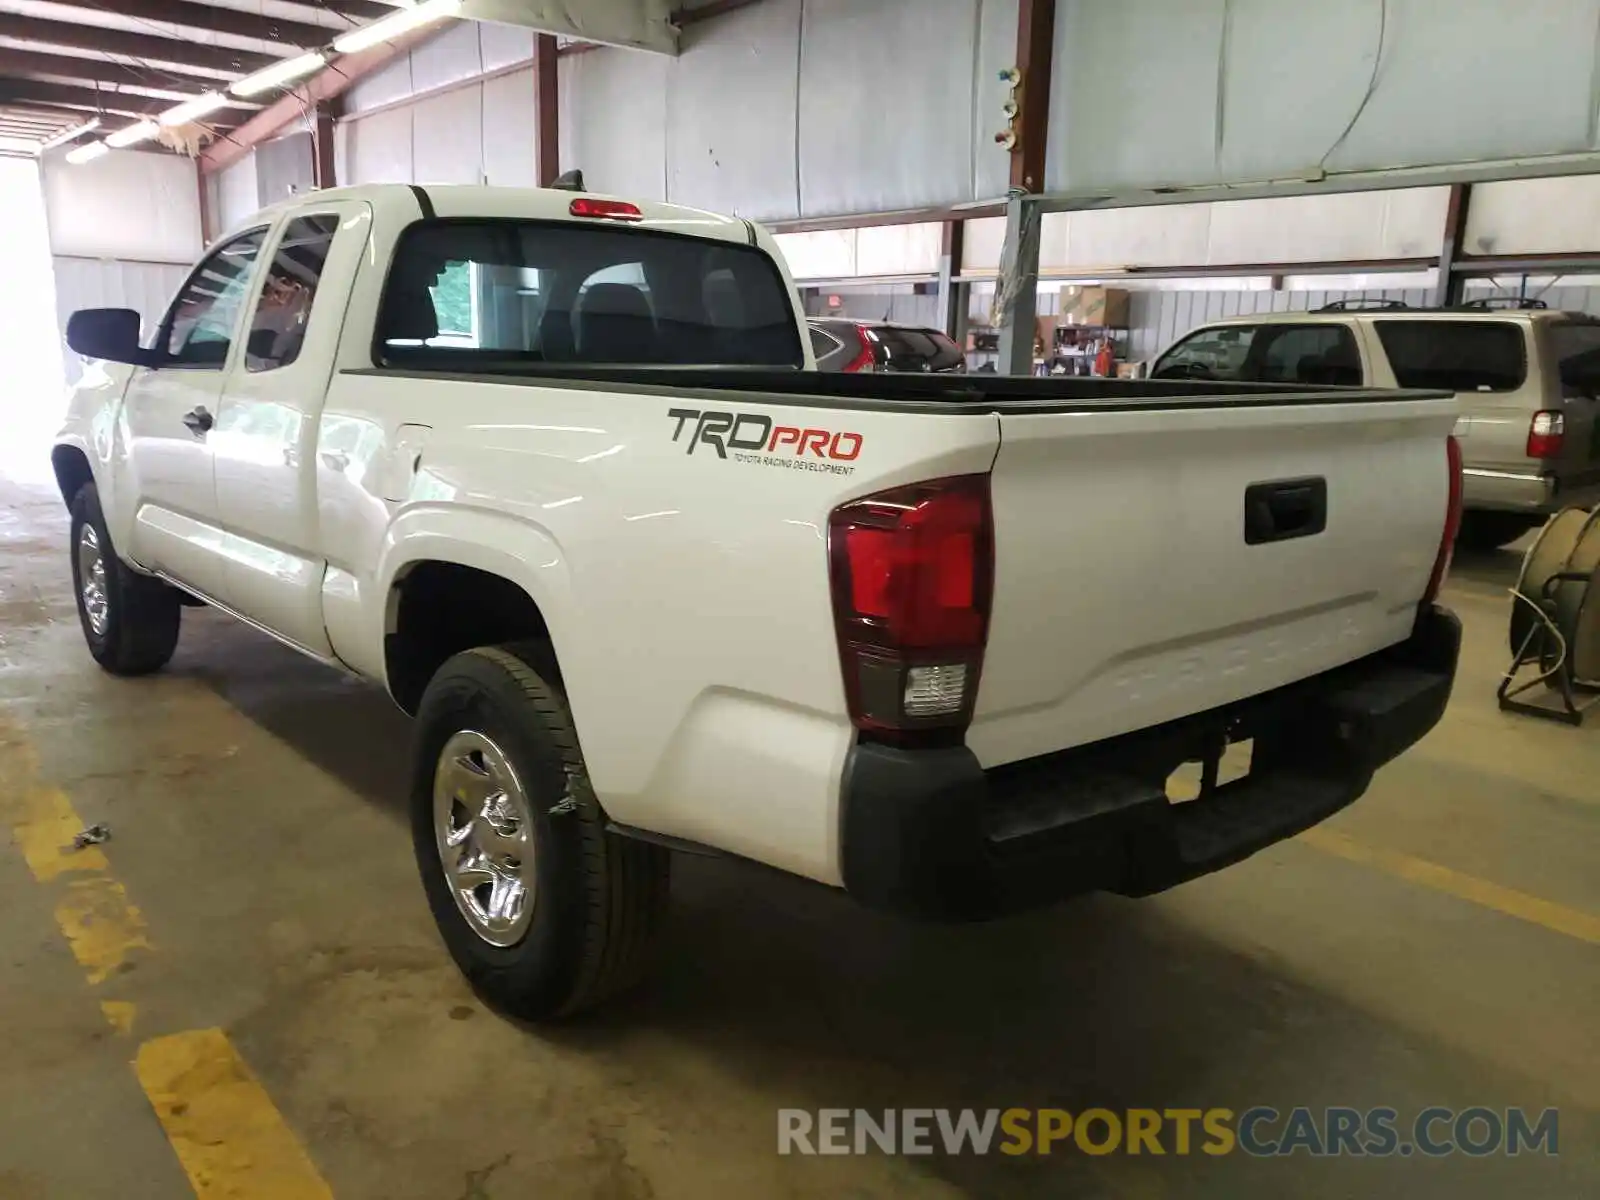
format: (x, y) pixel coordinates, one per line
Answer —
(494, 542)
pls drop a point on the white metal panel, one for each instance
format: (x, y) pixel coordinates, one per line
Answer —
(502, 45)
(619, 135)
(239, 191)
(1132, 96)
(982, 242)
(1535, 216)
(644, 24)
(447, 133)
(509, 130)
(1354, 225)
(125, 204)
(821, 254)
(380, 148)
(865, 144)
(996, 50)
(732, 98)
(898, 249)
(146, 288)
(450, 56)
(384, 86)
(1151, 92)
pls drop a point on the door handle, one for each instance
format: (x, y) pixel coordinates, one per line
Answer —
(1284, 509)
(199, 421)
(335, 460)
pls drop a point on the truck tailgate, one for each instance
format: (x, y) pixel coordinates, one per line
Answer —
(1132, 588)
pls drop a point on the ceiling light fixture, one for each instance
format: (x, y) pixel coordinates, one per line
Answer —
(87, 152)
(71, 135)
(190, 110)
(141, 132)
(385, 28)
(278, 74)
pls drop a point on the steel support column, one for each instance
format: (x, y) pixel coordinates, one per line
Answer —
(1455, 228)
(1017, 289)
(323, 174)
(547, 103)
(952, 308)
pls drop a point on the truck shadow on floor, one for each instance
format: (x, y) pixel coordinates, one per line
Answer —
(784, 993)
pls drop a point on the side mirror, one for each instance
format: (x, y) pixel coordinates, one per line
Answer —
(108, 333)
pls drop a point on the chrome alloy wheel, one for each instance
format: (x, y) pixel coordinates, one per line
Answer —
(483, 827)
(92, 581)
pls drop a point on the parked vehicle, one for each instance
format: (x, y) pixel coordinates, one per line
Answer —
(554, 470)
(1527, 379)
(840, 344)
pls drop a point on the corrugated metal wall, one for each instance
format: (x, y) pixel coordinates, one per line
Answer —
(108, 283)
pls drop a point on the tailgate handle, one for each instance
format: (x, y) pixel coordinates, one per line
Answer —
(1284, 509)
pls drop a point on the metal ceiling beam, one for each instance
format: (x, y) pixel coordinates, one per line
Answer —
(319, 89)
(213, 20)
(359, 10)
(64, 95)
(30, 64)
(93, 39)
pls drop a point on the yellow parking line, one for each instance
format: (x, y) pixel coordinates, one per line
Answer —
(1557, 917)
(223, 1126)
(231, 1141)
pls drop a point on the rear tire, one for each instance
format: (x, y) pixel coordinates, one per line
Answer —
(497, 765)
(130, 621)
(1484, 531)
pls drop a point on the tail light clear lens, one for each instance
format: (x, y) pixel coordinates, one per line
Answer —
(912, 573)
(1452, 522)
(1546, 433)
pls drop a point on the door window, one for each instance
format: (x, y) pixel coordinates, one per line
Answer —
(199, 328)
(278, 327)
(1217, 353)
(1324, 355)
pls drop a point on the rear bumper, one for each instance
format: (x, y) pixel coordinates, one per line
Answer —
(930, 833)
(1534, 494)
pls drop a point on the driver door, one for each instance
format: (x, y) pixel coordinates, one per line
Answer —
(168, 412)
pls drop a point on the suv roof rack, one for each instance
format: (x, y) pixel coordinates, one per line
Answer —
(1487, 303)
(1361, 303)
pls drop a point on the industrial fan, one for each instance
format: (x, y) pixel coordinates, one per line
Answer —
(1555, 619)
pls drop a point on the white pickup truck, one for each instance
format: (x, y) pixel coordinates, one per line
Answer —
(555, 468)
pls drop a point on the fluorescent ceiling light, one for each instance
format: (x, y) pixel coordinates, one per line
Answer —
(87, 152)
(143, 131)
(189, 110)
(278, 74)
(385, 28)
(72, 135)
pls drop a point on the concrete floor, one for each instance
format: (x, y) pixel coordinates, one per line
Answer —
(255, 805)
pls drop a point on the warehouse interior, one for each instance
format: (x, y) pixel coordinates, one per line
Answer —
(981, 168)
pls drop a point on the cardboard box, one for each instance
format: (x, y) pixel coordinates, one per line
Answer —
(1103, 306)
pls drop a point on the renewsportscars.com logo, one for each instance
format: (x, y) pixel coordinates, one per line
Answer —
(1260, 1132)
(756, 438)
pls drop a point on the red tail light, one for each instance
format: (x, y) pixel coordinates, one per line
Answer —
(864, 360)
(1452, 523)
(1545, 434)
(912, 571)
(617, 210)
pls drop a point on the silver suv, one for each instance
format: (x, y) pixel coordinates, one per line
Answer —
(1527, 379)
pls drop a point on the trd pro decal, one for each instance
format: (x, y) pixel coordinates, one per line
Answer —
(755, 438)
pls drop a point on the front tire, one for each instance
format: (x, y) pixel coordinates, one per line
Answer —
(130, 621)
(544, 911)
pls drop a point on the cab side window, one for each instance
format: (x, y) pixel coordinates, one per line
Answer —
(283, 310)
(198, 331)
(1218, 353)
